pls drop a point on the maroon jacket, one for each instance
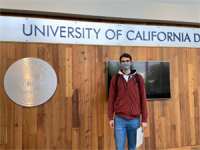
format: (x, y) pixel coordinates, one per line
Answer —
(130, 101)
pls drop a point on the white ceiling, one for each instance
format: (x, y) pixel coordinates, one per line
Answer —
(179, 2)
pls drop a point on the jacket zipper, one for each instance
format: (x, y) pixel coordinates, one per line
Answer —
(126, 89)
(124, 85)
(129, 98)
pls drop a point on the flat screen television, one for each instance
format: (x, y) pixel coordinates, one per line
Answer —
(156, 75)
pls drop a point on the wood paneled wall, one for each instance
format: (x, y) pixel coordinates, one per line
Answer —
(76, 116)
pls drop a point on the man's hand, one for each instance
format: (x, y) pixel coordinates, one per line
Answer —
(144, 126)
(111, 123)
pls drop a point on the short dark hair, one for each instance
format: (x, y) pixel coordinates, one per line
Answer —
(125, 55)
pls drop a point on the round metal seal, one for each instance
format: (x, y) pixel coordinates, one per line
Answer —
(30, 82)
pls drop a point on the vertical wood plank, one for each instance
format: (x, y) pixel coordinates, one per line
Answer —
(191, 102)
(88, 98)
(186, 89)
(68, 94)
(75, 109)
(152, 126)
(95, 122)
(4, 98)
(182, 97)
(81, 66)
(62, 98)
(11, 127)
(18, 127)
(176, 97)
(75, 67)
(55, 117)
(54, 49)
(196, 95)
(75, 138)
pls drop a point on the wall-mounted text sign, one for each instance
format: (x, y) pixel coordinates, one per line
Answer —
(20, 29)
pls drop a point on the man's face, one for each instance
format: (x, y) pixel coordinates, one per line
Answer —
(125, 59)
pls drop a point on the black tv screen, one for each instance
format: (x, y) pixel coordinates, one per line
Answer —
(156, 75)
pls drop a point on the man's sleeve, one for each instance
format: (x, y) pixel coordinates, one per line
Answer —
(143, 100)
(112, 92)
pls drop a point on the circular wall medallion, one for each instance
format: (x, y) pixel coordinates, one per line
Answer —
(30, 82)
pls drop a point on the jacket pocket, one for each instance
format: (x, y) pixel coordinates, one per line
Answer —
(135, 107)
(119, 106)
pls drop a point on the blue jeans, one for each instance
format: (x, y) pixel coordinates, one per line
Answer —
(123, 127)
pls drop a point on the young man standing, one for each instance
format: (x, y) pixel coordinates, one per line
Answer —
(130, 103)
